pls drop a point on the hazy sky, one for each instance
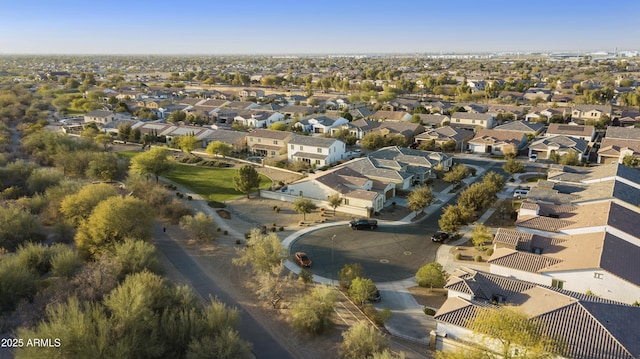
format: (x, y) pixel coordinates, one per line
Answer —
(321, 26)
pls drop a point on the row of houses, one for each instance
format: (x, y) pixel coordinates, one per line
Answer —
(571, 262)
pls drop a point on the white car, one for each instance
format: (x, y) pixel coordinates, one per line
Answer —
(519, 193)
(533, 158)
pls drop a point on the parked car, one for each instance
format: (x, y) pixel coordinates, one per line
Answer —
(303, 259)
(533, 157)
(375, 297)
(519, 193)
(440, 236)
(363, 223)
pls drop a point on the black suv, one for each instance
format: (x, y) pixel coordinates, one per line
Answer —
(440, 237)
(363, 223)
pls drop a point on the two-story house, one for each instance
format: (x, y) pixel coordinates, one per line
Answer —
(316, 151)
(590, 112)
(99, 116)
(573, 130)
(268, 143)
(473, 120)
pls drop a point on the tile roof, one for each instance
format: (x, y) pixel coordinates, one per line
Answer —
(270, 134)
(521, 126)
(590, 327)
(492, 136)
(570, 130)
(323, 142)
(623, 133)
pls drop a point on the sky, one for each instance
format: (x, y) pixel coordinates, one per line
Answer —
(221, 27)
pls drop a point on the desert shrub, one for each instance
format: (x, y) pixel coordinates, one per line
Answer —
(478, 258)
(458, 256)
(489, 252)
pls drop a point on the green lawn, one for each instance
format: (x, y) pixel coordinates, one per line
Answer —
(214, 184)
(129, 154)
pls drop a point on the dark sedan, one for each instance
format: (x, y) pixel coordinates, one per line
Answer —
(364, 224)
(440, 237)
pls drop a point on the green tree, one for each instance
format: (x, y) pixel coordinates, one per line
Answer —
(107, 167)
(17, 282)
(18, 226)
(262, 252)
(348, 273)
(517, 335)
(569, 159)
(453, 218)
(77, 207)
(155, 162)
(448, 146)
(630, 161)
(278, 126)
(456, 174)
(219, 148)
(187, 143)
(372, 141)
(111, 221)
(200, 227)
(313, 312)
(103, 139)
(362, 341)
(420, 198)
(335, 200)
(246, 179)
(513, 166)
(480, 236)
(428, 145)
(431, 275)
(303, 206)
(42, 178)
(135, 256)
(361, 289)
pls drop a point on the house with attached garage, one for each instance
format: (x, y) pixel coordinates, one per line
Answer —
(586, 326)
(360, 195)
(619, 142)
(258, 118)
(236, 139)
(315, 151)
(498, 141)
(357, 128)
(559, 144)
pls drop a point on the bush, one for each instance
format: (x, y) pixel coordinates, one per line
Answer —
(489, 252)
(65, 262)
(216, 204)
(377, 316)
(189, 198)
(429, 311)
(478, 258)
(458, 256)
(305, 276)
(281, 229)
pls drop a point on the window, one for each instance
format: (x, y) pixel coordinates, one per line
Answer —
(557, 283)
(291, 146)
(273, 153)
(275, 142)
(346, 201)
(319, 150)
(317, 162)
(259, 140)
(473, 121)
(301, 148)
(457, 120)
(250, 139)
(598, 275)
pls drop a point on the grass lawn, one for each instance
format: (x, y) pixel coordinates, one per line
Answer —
(536, 178)
(129, 154)
(214, 184)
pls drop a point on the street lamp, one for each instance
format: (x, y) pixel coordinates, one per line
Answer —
(332, 265)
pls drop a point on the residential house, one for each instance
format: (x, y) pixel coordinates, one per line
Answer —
(390, 116)
(559, 144)
(358, 128)
(474, 107)
(537, 94)
(320, 124)
(590, 112)
(564, 262)
(473, 120)
(444, 134)
(99, 116)
(177, 131)
(573, 130)
(236, 139)
(511, 96)
(258, 118)
(297, 111)
(589, 327)
(438, 106)
(360, 195)
(361, 112)
(619, 142)
(315, 151)
(507, 111)
(401, 104)
(563, 98)
(539, 113)
(497, 141)
(268, 143)
(407, 129)
(242, 105)
(411, 165)
(522, 126)
(251, 93)
(433, 121)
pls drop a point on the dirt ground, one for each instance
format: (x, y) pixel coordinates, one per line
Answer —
(432, 298)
